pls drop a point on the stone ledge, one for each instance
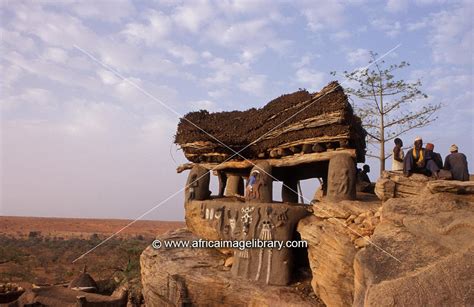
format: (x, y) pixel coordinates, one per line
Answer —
(396, 185)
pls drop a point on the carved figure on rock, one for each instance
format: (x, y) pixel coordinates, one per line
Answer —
(259, 185)
(253, 185)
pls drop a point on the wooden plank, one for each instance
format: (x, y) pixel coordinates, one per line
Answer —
(312, 122)
(282, 162)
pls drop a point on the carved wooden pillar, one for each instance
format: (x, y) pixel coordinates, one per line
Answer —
(235, 185)
(341, 178)
(259, 186)
(197, 185)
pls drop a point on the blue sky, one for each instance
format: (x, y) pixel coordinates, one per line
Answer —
(79, 141)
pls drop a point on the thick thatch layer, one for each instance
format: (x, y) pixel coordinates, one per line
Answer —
(289, 124)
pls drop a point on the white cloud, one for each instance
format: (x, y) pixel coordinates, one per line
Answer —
(57, 55)
(156, 27)
(224, 71)
(45, 70)
(107, 77)
(309, 78)
(10, 75)
(254, 84)
(322, 15)
(452, 35)
(306, 60)
(218, 93)
(186, 54)
(54, 28)
(341, 35)
(206, 55)
(157, 128)
(203, 105)
(391, 28)
(18, 40)
(395, 6)
(358, 56)
(250, 37)
(244, 6)
(193, 15)
(251, 55)
(38, 100)
(242, 32)
(113, 11)
(414, 26)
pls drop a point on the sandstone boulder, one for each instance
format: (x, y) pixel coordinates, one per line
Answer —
(396, 185)
(334, 234)
(422, 254)
(180, 276)
(415, 251)
(230, 219)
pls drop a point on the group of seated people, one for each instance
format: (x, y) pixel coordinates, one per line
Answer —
(423, 160)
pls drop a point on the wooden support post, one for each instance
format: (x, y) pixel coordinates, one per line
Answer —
(260, 185)
(234, 186)
(197, 186)
(341, 178)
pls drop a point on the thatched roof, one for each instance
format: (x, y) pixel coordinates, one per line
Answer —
(288, 122)
(84, 280)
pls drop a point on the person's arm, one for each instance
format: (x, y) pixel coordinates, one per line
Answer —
(396, 154)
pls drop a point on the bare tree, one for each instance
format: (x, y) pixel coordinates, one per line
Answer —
(387, 106)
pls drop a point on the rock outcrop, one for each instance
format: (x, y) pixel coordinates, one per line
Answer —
(60, 296)
(414, 251)
(422, 254)
(396, 185)
(175, 277)
(334, 234)
(230, 219)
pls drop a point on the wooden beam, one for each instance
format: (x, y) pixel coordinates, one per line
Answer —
(312, 122)
(287, 161)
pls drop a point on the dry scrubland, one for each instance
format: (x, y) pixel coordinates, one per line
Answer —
(41, 250)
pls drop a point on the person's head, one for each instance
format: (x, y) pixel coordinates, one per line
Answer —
(418, 143)
(453, 148)
(429, 146)
(366, 168)
(398, 142)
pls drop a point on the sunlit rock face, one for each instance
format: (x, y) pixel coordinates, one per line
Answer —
(231, 219)
(412, 251)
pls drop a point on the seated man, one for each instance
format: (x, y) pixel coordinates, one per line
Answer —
(363, 181)
(456, 162)
(362, 174)
(415, 160)
(434, 162)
